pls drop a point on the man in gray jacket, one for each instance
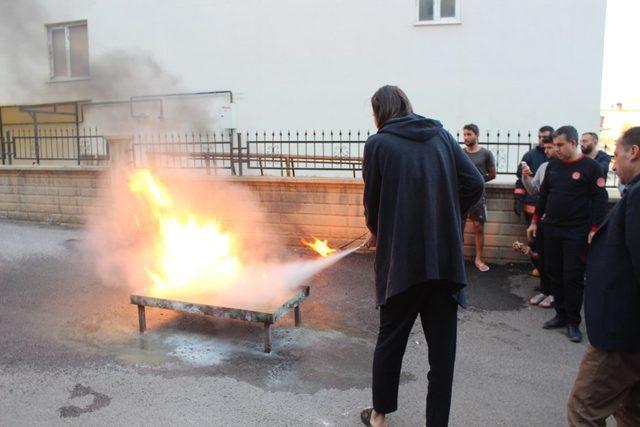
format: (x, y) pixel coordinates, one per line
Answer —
(532, 184)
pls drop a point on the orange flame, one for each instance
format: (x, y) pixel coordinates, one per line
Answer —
(320, 246)
(191, 254)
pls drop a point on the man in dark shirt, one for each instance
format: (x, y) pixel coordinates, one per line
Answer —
(608, 381)
(524, 202)
(486, 164)
(572, 204)
(418, 184)
(589, 147)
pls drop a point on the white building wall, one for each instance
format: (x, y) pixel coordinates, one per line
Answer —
(304, 64)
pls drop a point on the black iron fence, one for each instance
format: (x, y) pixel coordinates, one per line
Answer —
(291, 153)
(211, 151)
(258, 152)
(507, 148)
(81, 146)
(286, 153)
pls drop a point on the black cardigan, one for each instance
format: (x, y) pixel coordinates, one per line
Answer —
(612, 286)
(418, 185)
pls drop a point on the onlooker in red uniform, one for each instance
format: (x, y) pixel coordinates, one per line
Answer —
(523, 202)
(572, 204)
(532, 184)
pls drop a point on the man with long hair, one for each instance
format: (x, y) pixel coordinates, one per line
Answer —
(418, 185)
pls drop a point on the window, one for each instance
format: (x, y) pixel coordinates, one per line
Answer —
(438, 12)
(68, 51)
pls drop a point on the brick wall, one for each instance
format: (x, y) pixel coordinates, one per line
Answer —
(295, 207)
(503, 227)
(49, 194)
(332, 209)
(327, 209)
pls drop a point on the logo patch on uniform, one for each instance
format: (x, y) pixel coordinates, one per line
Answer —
(576, 175)
(601, 182)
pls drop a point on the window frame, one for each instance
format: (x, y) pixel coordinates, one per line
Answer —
(67, 44)
(437, 19)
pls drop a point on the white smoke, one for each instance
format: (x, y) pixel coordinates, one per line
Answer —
(115, 75)
(120, 242)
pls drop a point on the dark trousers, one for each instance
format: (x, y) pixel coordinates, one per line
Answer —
(438, 313)
(565, 254)
(545, 285)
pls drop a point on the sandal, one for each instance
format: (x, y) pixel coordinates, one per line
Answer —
(365, 416)
(482, 267)
(537, 299)
(548, 302)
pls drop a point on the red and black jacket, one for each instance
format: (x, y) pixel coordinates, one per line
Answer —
(523, 201)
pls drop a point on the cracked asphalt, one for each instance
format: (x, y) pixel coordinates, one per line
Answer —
(71, 353)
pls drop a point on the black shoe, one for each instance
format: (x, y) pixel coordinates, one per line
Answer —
(574, 334)
(555, 323)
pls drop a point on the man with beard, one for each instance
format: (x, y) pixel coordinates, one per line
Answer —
(572, 205)
(532, 183)
(524, 202)
(485, 162)
(589, 147)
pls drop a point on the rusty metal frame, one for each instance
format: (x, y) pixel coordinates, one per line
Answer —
(266, 318)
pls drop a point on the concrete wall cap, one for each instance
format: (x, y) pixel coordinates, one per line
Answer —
(43, 168)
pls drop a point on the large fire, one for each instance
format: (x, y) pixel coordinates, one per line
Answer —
(191, 254)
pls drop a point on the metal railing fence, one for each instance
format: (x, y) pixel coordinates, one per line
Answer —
(285, 153)
(83, 145)
(211, 151)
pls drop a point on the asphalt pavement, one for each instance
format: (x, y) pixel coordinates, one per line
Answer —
(71, 353)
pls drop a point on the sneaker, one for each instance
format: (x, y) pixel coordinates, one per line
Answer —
(555, 323)
(574, 334)
(548, 302)
(537, 299)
